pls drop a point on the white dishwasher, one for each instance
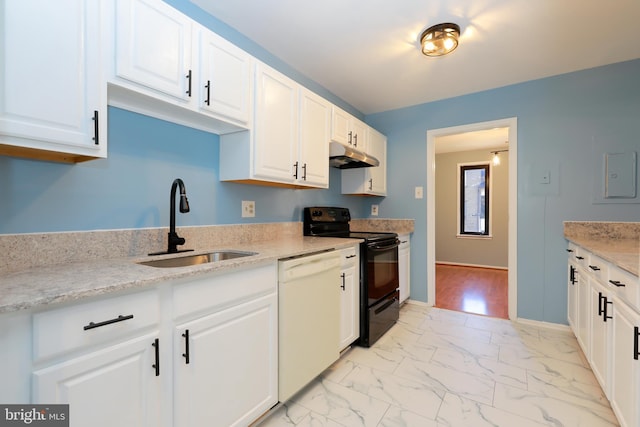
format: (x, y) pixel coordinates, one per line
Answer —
(308, 319)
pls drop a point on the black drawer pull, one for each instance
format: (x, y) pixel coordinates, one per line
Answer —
(186, 346)
(617, 283)
(120, 318)
(579, 257)
(569, 250)
(636, 334)
(188, 76)
(350, 256)
(96, 128)
(343, 281)
(594, 267)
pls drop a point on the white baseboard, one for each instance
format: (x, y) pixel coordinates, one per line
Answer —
(420, 303)
(462, 264)
(547, 325)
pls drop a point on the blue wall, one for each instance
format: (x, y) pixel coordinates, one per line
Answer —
(565, 125)
(130, 189)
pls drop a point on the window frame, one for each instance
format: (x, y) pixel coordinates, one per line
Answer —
(487, 167)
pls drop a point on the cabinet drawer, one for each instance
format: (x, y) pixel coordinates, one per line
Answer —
(88, 324)
(627, 286)
(597, 267)
(348, 256)
(219, 290)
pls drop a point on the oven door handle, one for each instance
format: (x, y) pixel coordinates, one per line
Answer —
(375, 247)
(385, 306)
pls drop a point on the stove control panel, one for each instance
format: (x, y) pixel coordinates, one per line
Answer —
(326, 214)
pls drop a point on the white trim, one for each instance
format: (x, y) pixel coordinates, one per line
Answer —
(546, 325)
(512, 124)
(462, 264)
(418, 303)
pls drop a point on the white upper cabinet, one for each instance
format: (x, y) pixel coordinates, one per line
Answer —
(153, 47)
(347, 130)
(288, 145)
(166, 65)
(370, 181)
(275, 126)
(225, 73)
(315, 120)
(53, 103)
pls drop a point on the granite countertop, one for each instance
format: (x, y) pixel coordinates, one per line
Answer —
(36, 287)
(618, 243)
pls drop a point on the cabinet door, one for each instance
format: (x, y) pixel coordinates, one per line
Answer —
(52, 88)
(315, 116)
(584, 314)
(349, 307)
(600, 342)
(358, 135)
(230, 376)
(225, 73)
(377, 147)
(340, 126)
(625, 390)
(572, 296)
(115, 386)
(404, 266)
(275, 126)
(153, 47)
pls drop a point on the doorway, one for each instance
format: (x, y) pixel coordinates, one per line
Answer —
(432, 135)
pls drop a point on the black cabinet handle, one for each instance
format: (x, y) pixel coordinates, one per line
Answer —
(208, 87)
(120, 318)
(186, 346)
(350, 256)
(189, 83)
(606, 316)
(350, 134)
(343, 281)
(600, 310)
(572, 274)
(304, 172)
(355, 140)
(295, 167)
(371, 184)
(569, 250)
(579, 257)
(594, 267)
(156, 365)
(617, 283)
(636, 334)
(96, 128)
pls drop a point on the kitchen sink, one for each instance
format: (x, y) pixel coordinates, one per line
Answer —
(185, 261)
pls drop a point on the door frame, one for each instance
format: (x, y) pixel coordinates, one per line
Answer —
(512, 124)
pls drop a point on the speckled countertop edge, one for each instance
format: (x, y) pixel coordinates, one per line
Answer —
(41, 286)
(616, 242)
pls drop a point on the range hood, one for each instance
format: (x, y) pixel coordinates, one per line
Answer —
(342, 157)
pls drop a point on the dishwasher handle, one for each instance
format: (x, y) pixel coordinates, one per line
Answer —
(299, 268)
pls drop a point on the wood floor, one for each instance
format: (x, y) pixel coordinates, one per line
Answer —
(472, 290)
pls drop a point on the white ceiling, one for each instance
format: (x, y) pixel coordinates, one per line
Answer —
(490, 139)
(366, 51)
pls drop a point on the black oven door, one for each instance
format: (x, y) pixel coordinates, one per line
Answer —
(382, 270)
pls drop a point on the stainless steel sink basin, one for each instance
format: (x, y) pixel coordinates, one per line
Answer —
(185, 261)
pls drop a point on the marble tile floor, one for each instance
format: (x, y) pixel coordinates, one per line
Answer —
(438, 368)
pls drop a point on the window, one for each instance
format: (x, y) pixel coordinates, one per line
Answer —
(474, 200)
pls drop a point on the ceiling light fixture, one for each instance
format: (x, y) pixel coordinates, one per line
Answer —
(496, 159)
(440, 39)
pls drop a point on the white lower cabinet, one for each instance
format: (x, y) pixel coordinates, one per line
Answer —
(625, 365)
(607, 325)
(225, 375)
(349, 296)
(194, 352)
(113, 386)
(225, 348)
(404, 266)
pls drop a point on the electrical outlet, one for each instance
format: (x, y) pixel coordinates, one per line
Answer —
(248, 209)
(374, 210)
(419, 193)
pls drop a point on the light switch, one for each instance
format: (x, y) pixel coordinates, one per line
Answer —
(545, 177)
(419, 193)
